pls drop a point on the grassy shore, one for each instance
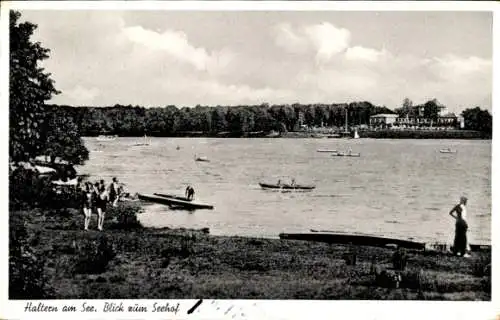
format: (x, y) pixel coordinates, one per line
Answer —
(145, 263)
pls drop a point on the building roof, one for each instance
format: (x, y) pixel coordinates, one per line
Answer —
(449, 115)
(384, 115)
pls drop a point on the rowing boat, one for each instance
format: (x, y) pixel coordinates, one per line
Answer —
(286, 186)
(447, 151)
(326, 150)
(355, 238)
(171, 202)
(342, 154)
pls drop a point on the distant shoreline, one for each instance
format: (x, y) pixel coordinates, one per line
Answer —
(373, 134)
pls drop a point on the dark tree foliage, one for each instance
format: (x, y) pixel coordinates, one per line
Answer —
(62, 138)
(478, 119)
(240, 120)
(29, 88)
(34, 129)
(431, 109)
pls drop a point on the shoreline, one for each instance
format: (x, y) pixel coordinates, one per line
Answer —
(375, 134)
(174, 263)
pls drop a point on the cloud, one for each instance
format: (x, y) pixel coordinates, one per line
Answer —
(287, 38)
(176, 44)
(328, 40)
(363, 54)
(324, 39)
(453, 66)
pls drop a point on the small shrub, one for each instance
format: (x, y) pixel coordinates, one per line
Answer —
(116, 279)
(389, 279)
(93, 256)
(350, 258)
(182, 248)
(399, 259)
(26, 267)
(124, 217)
(482, 268)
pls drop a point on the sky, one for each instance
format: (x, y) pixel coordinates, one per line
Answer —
(185, 58)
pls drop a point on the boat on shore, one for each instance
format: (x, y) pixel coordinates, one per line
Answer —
(370, 240)
(333, 136)
(174, 203)
(106, 138)
(282, 186)
(201, 158)
(327, 150)
(145, 143)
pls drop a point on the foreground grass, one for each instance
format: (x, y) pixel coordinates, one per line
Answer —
(173, 264)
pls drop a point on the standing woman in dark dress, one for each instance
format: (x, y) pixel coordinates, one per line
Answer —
(460, 242)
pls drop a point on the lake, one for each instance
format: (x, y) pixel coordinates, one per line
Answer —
(400, 188)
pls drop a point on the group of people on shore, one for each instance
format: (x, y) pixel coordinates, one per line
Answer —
(96, 197)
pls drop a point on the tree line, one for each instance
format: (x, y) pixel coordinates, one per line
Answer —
(237, 120)
(244, 120)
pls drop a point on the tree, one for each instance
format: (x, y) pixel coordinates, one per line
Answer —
(477, 119)
(36, 128)
(406, 109)
(63, 140)
(431, 109)
(29, 88)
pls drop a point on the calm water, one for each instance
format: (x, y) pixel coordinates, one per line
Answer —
(402, 188)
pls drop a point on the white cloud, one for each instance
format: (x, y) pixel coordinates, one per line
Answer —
(174, 43)
(454, 66)
(324, 39)
(363, 54)
(177, 46)
(328, 40)
(289, 40)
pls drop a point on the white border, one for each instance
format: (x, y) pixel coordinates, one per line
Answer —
(265, 309)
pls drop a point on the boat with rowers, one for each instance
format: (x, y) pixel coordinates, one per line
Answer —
(346, 154)
(286, 186)
(174, 201)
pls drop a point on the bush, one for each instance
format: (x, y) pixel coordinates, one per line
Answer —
(182, 248)
(124, 217)
(26, 267)
(28, 190)
(93, 256)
